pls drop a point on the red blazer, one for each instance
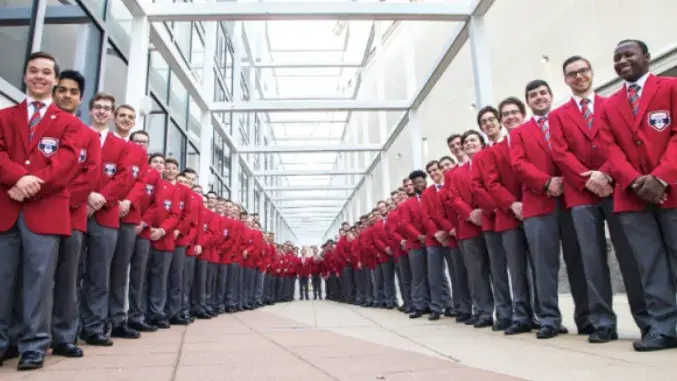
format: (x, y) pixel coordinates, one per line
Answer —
(576, 149)
(411, 224)
(381, 241)
(86, 176)
(433, 215)
(50, 156)
(391, 226)
(643, 145)
(502, 184)
(188, 218)
(115, 180)
(137, 161)
(481, 163)
(533, 164)
(197, 232)
(461, 200)
(166, 216)
(211, 235)
(303, 267)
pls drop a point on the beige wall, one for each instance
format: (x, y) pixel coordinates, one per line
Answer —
(520, 32)
(5, 102)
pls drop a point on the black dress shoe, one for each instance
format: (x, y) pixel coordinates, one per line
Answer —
(483, 323)
(517, 328)
(415, 315)
(124, 332)
(67, 350)
(401, 308)
(587, 329)
(562, 330)
(654, 341)
(546, 332)
(98, 340)
(161, 323)
(471, 321)
(602, 335)
(31, 360)
(501, 325)
(141, 326)
(178, 321)
(390, 307)
(434, 316)
(12, 352)
(462, 318)
(535, 324)
(449, 312)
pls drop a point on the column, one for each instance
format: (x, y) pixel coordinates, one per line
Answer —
(206, 126)
(235, 169)
(137, 74)
(414, 129)
(251, 200)
(481, 62)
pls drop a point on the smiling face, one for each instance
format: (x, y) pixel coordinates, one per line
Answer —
(472, 144)
(539, 100)
(455, 147)
(511, 116)
(408, 187)
(489, 125)
(40, 78)
(158, 163)
(67, 95)
(630, 62)
(125, 119)
(578, 76)
(435, 172)
(101, 112)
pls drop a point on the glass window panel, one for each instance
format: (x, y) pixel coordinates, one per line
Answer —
(303, 117)
(306, 87)
(119, 24)
(155, 125)
(14, 37)
(307, 72)
(193, 158)
(159, 76)
(306, 35)
(178, 100)
(182, 37)
(176, 144)
(116, 68)
(97, 7)
(197, 51)
(69, 22)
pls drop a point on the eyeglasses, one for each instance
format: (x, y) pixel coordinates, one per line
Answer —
(574, 73)
(491, 119)
(102, 107)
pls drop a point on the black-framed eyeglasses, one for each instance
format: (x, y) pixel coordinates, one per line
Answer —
(581, 71)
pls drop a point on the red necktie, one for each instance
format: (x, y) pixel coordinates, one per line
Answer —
(35, 118)
(633, 97)
(587, 113)
(545, 128)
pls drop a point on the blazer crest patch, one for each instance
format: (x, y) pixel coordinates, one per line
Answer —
(659, 119)
(110, 169)
(48, 146)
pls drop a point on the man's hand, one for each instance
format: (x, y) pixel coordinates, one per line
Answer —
(90, 211)
(476, 217)
(156, 234)
(124, 208)
(139, 228)
(96, 201)
(421, 238)
(359, 265)
(403, 243)
(176, 233)
(441, 236)
(649, 189)
(16, 195)
(516, 208)
(198, 250)
(556, 187)
(598, 183)
(389, 251)
(452, 232)
(29, 185)
(244, 254)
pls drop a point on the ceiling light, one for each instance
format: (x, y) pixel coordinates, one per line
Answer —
(472, 106)
(545, 59)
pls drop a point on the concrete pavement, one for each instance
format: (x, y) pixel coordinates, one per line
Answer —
(319, 340)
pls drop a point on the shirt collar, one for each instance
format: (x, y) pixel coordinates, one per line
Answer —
(103, 134)
(640, 82)
(46, 102)
(118, 135)
(590, 98)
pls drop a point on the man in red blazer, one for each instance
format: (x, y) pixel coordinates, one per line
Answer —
(640, 142)
(104, 222)
(412, 228)
(303, 271)
(547, 222)
(506, 190)
(587, 189)
(194, 239)
(67, 95)
(438, 240)
(400, 257)
(387, 262)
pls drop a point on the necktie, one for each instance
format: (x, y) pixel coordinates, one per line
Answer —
(545, 128)
(633, 97)
(587, 113)
(438, 186)
(35, 118)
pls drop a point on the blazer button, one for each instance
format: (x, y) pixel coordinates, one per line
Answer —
(638, 142)
(594, 146)
(28, 162)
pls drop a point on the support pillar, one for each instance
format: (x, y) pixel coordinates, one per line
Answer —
(137, 78)
(481, 62)
(235, 169)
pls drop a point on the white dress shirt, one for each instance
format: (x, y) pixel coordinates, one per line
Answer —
(31, 109)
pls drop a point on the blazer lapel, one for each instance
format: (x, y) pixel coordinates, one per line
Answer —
(45, 123)
(623, 107)
(575, 114)
(21, 118)
(648, 92)
(595, 116)
(538, 135)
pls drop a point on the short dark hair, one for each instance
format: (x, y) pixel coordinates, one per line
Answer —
(101, 96)
(485, 110)
(573, 59)
(126, 107)
(447, 158)
(404, 180)
(417, 173)
(381, 202)
(197, 186)
(469, 133)
(452, 137)
(44, 55)
(211, 192)
(139, 132)
(154, 155)
(535, 84)
(642, 45)
(511, 101)
(431, 163)
(190, 170)
(76, 77)
(171, 160)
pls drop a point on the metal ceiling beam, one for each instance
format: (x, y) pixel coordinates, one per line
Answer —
(324, 148)
(311, 105)
(308, 10)
(307, 189)
(339, 172)
(301, 65)
(306, 138)
(293, 198)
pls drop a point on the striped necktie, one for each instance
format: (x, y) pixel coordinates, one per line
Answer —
(35, 118)
(587, 113)
(545, 128)
(633, 97)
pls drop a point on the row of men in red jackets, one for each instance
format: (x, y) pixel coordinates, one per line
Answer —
(540, 186)
(87, 212)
